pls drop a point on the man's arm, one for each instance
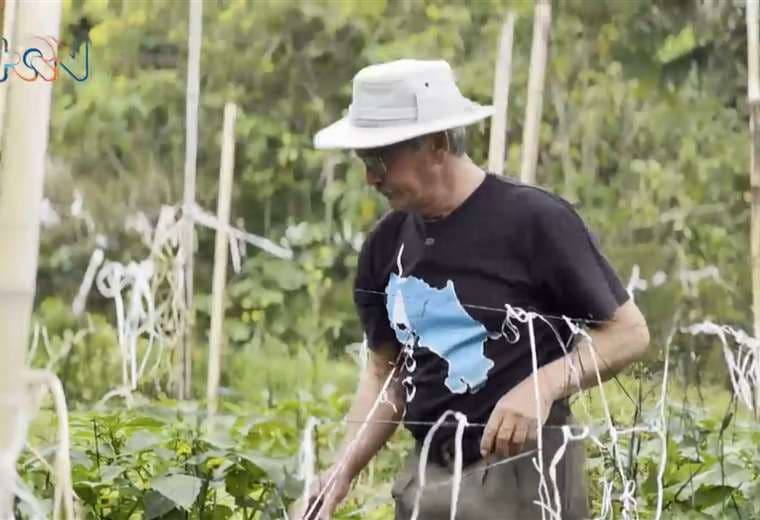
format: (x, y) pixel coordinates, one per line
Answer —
(381, 362)
(619, 342)
(334, 484)
(616, 344)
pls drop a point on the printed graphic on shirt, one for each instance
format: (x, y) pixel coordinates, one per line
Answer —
(424, 316)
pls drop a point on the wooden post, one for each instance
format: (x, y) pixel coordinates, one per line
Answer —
(22, 172)
(220, 257)
(9, 17)
(501, 79)
(531, 132)
(183, 360)
(753, 80)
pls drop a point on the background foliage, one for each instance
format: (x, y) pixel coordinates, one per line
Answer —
(644, 129)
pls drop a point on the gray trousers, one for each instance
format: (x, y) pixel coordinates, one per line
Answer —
(508, 491)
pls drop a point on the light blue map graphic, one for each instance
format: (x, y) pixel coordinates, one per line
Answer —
(437, 319)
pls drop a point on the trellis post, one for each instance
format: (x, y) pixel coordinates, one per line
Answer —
(22, 172)
(220, 256)
(502, 77)
(542, 14)
(183, 360)
(753, 80)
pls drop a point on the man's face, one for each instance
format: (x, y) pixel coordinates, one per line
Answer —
(400, 172)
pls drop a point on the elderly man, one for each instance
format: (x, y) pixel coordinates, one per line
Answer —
(464, 289)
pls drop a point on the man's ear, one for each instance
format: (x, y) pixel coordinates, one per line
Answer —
(439, 145)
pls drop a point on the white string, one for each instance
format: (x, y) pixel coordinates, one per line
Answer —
(35, 340)
(567, 437)
(307, 458)
(743, 364)
(63, 498)
(662, 430)
(421, 469)
(77, 211)
(121, 391)
(78, 304)
(235, 254)
(538, 460)
(64, 494)
(691, 278)
(9, 453)
(635, 283)
(135, 286)
(457, 479)
(210, 221)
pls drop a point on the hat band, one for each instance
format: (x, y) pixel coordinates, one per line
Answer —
(374, 117)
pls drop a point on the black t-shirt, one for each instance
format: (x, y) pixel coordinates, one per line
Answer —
(438, 290)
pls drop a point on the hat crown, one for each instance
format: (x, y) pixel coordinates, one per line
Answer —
(399, 100)
(404, 92)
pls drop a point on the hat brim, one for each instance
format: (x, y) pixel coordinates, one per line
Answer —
(343, 135)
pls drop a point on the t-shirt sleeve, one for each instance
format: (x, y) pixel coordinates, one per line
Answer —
(571, 266)
(369, 295)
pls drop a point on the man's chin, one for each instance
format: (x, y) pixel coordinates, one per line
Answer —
(395, 203)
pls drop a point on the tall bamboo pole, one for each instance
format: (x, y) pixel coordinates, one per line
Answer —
(542, 14)
(753, 80)
(502, 76)
(220, 256)
(184, 358)
(9, 17)
(21, 182)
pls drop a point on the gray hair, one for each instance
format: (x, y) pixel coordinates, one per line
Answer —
(455, 137)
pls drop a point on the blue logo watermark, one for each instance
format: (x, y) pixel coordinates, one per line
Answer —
(44, 60)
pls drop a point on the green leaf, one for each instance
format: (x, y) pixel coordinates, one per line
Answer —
(156, 505)
(240, 483)
(110, 472)
(141, 441)
(709, 495)
(221, 513)
(274, 468)
(148, 423)
(180, 489)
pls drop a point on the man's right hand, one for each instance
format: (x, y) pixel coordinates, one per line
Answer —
(335, 491)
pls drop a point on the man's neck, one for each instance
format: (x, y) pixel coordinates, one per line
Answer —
(459, 180)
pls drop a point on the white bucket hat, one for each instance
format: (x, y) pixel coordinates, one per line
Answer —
(395, 101)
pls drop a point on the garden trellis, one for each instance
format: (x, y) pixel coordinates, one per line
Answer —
(743, 359)
(133, 287)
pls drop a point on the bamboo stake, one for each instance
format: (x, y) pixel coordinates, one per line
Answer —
(501, 80)
(184, 367)
(220, 257)
(753, 79)
(541, 23)
(9, 16)
(21, 187)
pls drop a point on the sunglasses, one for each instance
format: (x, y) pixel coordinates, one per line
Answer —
(377, 160)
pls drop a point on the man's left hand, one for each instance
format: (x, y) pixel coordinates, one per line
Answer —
(514, 419)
